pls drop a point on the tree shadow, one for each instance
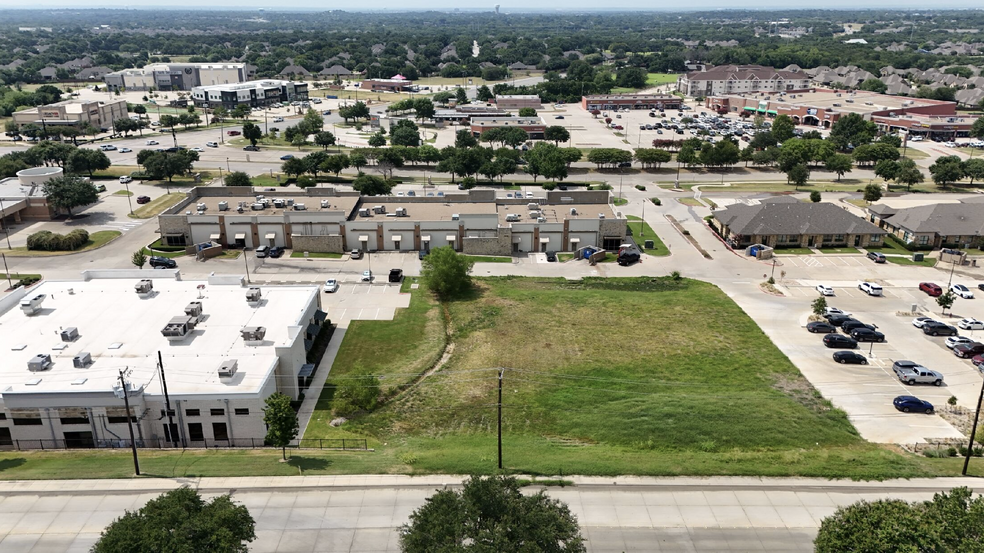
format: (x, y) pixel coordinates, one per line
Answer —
(309, 463)
(7, 464)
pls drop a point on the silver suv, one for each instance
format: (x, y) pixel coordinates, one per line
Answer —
(918, 375)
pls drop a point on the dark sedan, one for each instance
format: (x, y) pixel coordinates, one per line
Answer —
(968, 350)
(820, 327)
(850, 358)
(912, 404)
(867, 335)
(852, 325)
(839, 341)
(838, 320)
(936, 328)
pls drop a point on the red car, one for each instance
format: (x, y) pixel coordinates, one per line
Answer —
(143, 199)
(977, 360)
(233, 133)
(931, 288)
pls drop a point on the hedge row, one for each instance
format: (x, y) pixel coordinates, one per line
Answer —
(48, 241)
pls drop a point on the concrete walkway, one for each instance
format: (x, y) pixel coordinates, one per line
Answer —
(363, 513)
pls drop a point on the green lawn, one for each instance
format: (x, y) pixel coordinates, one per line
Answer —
(229, 254)
(619, 201)
(888, 246)
(926, 262)
(913, 153)
(97, 239)
(122, 193)
(793, 251)
(641, 231)
(489, 259)
(562, 257)
(316, 255)
(656, 79)
(673, 403)
(838, 250)
(157, 205)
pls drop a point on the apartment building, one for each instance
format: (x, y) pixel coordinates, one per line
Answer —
(736, 79)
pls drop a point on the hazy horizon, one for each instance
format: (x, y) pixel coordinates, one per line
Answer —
(471, 5)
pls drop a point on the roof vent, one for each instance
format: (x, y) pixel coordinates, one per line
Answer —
(40, 362)
(228, 368)
(70, 334)
(178, 328)
(253, 295)
(194, 310)
(145, 286)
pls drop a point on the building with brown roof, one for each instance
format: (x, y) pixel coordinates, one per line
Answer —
(734, 79)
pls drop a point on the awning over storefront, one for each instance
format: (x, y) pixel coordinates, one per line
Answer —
(749, 108)
(450, 238)
(271, 236)
(575, 240)
(545, 240)
(772, 112)
(364, 238)
(396, 237)
(214, 237)
(241, 236)
(761, 110)
(425, 238)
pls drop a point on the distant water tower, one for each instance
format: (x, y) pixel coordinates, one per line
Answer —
(497, 9)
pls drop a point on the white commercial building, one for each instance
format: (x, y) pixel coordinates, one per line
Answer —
(176, 76)
(73, 113)
(736, 79)
(225, 347)
(252, 93)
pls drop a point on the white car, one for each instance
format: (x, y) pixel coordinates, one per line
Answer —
(835, 311)
(366, 276)
(916, 139)
(970, 323)
(107, 147)
(198, 149)
(962, 291)
(870, 288)
(331, 286)
(919, 322)
(155, 124)
(212, 144)
(125, 150)
(825, 290)
(125, 179)
(530, 195)
(152, 143)
(954, 341)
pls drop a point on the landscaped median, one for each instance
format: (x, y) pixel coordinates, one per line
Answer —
(157, 206)
(641, 231)
(96, 240)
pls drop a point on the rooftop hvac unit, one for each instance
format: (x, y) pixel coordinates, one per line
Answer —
(300, 207)
(324, 204)
(278, 203)
(455, 217)
(290, 201)
(253, 333)
(534, 214)
(194, 309)
(541, 219)
(228, 368)
(70, 334)
(32, 305)
(253, 295)
(178, 328)
(201, 207)
(364, 212)
(82, 360)
(259, 198)
(258, 206)
(223, 206)
(40, 362)
(145, 286)
(573, 211)
(533, 205)
(401, 212)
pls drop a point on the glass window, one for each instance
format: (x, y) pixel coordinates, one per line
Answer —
(875, 239)
(192, 412)
(242, 411)
(923, 240)
(217, 412)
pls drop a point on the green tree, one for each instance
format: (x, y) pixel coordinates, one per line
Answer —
(446, 273)
(377, 140)
(783, 127)
(461, 96)
(294, 166)
(86, 160)
(491, 514)
(887, 169)
(180, 520)
(483, 93)
(281, 421)
(324, 139)
(649, 157)
(424, 108)
(852, 129)
(404, 136)
(527, 112)
(874, 85)
(839, 164)
(946, 299)
(798, 174)
(973, 168)
(464, 139)
(371, 185)
(252, 132)
(946, 170)
(908, 173)
(631, 77)
(355, 394)
(68, 192)
(238, 178)
(139, 259)
(872, 193)
(815, 196)
(357, 160)
(335, 164)
(299, 140)
(819, 305)
(241, 111)
(977, 130)
(556, 133)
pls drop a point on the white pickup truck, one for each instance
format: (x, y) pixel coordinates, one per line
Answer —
(918, 375)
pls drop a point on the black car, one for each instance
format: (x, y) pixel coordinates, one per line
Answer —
(396, 275)
(820, 327)
(251, 149)
(839, 341)
(849, 326)
(158, 262)
(625, 164)
(551, 256)
(839, 319)
(628, 257)
(276, 251)
(936, 328)
(850, 358)
(867, 335)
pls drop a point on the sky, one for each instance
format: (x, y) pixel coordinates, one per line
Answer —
(543, 5)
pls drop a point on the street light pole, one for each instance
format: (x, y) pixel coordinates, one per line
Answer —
(129, 420)
(973, 431)
(246, 262)
(3, 219)
(129, 202)
(6, 270)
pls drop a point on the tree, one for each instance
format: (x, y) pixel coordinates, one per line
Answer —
(491, 514)
(139, 259)
(238, 178)
(354, 394)
(371, 185)
(357, 160)
(461, 96)
(294, 166)
(973, 168)
(140, 109)
(631, 77)
(68, 192)
(252, 132)
(872, 193)
(977, 130)
(946, 299)
(908, 173)
(377, 140)
(556, 133)
(405, 136)
(483, 93)
(783, 127)
(335, 164)
(951, 521)
(887, 169)
(839, 164)
(815, 196)
(798, 174)
(852, 129)
(180, 520)
(324, 139)
(446, 272)
(527, 112)
(464, 139)
(874, 85)
(85, 160)
(946, 170)
(652, 156)
(281, 421)
(820, 304)
(424, 108)
(299, 140)
(241, 111)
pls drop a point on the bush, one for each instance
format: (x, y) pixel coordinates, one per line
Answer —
(304, 182)
(910, 247)
(468, 183)
(656, 201)
(640, 187)
(976, 452)
(941, 453)
(549, 186)
(604, 186)
(48, 241)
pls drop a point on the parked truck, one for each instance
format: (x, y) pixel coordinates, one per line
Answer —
(918, 375)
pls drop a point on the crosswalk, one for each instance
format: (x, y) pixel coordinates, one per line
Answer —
(122, 226)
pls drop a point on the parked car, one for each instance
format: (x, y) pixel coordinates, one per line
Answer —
(967, 351)
(931, 288)
(936, 328)
(212, 144)
(977, 360)
(276, 251)
(850, 358)
(839, 341)
(970, 323)
(198, 149)
(870, 288)
(396, 275)
(355, 254)
(867, 335)
(233, 133)
(904, 364)
(331, 286)
(908, 404)
(825, 290)
(143, 199)
(158, 262)
(125, 150)
(918, 322)
(367, 276)
(854, 324)
(251, 149)
(834, 311)
(262, 251)
(820, 327)
(285, 157)
(551, 257)
(919, 375)
(101, 187)
(954, 341)
(877, 257)
(422, 254)
(559, 117)
(152, 143)
(962, 291)
(838, 320)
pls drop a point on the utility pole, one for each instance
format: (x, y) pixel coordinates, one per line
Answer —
(3, 219)
(129, 419)
(500, 418)
(246, 260)
(167, 402)
(973, 431)
(6, 270)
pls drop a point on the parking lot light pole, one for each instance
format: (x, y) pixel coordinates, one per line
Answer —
(973, 432)
(128, 201)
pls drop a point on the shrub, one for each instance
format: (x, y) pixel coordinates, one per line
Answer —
(604, 186)
(48, 241)
(640, 187)
(304, 182)
(549, 186)
(468, 183)
(656, 201)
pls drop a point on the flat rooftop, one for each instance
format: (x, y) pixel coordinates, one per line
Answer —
(633, 97)
(12, 189)
(556, 213)
(863, 102)
(506, 121)
(344, 204)
(422, 211)
(121, 329)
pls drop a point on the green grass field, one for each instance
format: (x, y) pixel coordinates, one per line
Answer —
(673, 403)
(641, 231)
(838, 250)
(656, 79)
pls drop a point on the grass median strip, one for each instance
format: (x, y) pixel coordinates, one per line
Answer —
(315, 255)
(156, 206)
(641, 231)
(489, 259)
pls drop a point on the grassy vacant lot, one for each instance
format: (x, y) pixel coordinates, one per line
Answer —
(97, 239)
(656, 79)
(606, 376)
(157, 205)
(641, 231)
